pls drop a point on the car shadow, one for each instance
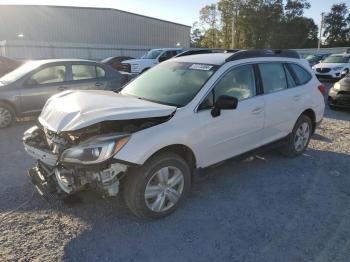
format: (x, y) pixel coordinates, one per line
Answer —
(244, 209)
(322, 138)
(264, 207)
(339, 114)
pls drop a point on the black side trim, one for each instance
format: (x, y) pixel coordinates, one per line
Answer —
(258, 80)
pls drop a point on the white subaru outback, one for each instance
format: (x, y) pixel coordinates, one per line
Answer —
(183, 115)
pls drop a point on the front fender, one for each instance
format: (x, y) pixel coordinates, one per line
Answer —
(143, 144)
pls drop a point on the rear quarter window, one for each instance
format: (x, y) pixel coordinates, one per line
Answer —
(301, 74)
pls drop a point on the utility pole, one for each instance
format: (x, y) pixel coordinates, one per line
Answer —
(321, 27)
(233, 33)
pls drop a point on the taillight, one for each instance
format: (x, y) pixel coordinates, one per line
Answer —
(322, 89)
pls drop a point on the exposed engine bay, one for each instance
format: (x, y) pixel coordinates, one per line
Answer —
(68, 162)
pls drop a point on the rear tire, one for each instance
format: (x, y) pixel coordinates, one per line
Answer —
(299, 139)
(156, 189)
(7, 116)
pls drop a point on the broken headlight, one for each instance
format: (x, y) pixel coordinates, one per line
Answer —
(95, 150)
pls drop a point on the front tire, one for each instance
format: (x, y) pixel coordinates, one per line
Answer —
(332, 107)
(157, 188)
(299, 139)
(7, 116)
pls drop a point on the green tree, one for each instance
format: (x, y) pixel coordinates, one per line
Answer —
(209, 20)
(296, 31)
(258, 24)
(295, 8)
(229, 12)
(337, 26)
(196, 36)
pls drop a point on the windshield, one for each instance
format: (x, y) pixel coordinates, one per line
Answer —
(19, 72)
(336, 59)
(153, 54)
(171, 83)
(106, 60)
(312, 58)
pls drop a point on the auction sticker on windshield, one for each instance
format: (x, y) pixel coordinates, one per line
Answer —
(201, 67)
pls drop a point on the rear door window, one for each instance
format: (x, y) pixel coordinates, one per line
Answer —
(100, 72)
(273, 77)
(83, 72)
(301, 74)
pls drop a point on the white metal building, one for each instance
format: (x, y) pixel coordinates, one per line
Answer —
(37, 32)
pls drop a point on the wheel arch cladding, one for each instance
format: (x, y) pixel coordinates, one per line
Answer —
(183, 151)
(10, 105)
(311, 114)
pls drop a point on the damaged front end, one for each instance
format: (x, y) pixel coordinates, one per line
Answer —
(68, 162)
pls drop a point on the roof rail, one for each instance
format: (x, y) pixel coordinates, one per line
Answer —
(263, 53)
(199, 51)
(232, 50)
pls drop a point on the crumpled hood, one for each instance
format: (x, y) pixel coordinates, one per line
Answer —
(329, 65)
(73, 110)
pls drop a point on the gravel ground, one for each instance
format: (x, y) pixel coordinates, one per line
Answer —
(263, 208)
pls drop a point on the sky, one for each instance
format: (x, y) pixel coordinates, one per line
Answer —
(179, 11)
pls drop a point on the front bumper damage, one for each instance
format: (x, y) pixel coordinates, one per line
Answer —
(49, 176)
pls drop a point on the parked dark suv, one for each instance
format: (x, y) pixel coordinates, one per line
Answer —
(24, 91)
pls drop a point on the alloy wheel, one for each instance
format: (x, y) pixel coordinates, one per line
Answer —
(164, 189)
(302, 136)
(5, 117)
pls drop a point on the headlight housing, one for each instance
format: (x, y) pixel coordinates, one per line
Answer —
(336, 86)
(95, 150)
(337, 68)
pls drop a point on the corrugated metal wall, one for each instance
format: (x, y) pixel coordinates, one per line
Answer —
(84, 32)
(42, 50)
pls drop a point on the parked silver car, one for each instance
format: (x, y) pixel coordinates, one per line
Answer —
(24, 91)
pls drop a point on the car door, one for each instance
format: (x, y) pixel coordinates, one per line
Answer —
(40, 85)
(87, 76)
(283, 100)
(234, 131)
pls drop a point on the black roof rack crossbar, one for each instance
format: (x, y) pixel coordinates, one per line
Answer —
(263, 53)
(231, 50)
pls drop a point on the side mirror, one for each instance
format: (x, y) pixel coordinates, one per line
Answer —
(162, 59)
(224, 102)
(31, 82)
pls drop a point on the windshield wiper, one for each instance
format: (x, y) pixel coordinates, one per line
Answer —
(159, 102)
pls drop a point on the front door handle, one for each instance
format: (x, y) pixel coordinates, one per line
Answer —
(98, 84)
(296, 97)
(257, 110)
(62, 88)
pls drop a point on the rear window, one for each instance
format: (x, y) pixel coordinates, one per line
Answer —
(301, 74)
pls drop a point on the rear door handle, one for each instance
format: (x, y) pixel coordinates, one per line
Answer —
(62, 88)
(98, 84)
(257, 110)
